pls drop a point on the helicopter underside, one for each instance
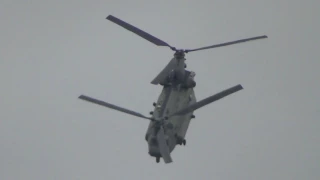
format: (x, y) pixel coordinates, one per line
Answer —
(170, 100)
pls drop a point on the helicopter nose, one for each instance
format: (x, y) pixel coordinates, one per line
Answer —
(154, 151)
(154, 154)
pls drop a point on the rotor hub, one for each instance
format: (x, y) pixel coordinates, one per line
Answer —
(179, 54)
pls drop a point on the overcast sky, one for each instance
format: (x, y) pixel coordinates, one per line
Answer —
(53, 51)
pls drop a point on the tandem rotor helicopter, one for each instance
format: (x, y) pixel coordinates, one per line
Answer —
(176, 104)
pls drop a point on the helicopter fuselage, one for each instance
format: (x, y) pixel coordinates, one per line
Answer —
(177, 102)
(171, 99)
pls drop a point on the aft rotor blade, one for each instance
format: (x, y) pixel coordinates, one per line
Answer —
(105, 104)
(138, 31)
(208, 100)
(163, 147)
(165, 72)
(227, 43)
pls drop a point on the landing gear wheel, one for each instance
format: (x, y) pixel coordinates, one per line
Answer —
(184, 142)
(157, 159)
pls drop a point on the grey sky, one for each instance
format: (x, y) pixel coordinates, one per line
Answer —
(53, 51)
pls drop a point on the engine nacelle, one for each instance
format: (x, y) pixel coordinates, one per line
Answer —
(190, 82)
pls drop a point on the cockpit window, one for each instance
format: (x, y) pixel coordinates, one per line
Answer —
(154, 142)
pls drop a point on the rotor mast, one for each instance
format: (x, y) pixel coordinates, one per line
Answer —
(179, 70)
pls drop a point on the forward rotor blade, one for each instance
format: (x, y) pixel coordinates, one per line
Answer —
(138, 31)
(227, 43)
(208, 100)
(105, 104)
(165, 72)
(163, 147)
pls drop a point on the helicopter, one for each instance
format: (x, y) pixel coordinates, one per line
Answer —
(174, 109)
